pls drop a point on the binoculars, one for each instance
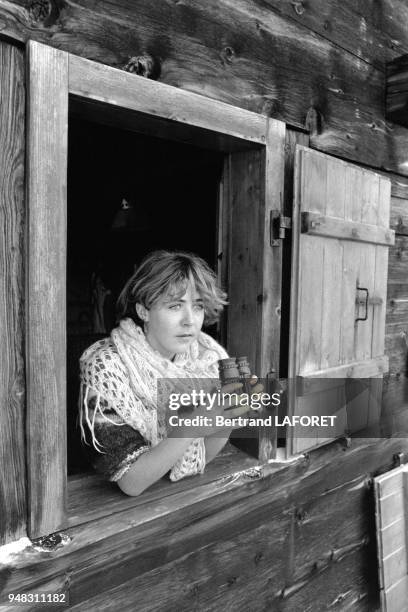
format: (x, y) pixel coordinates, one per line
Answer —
(233, 370)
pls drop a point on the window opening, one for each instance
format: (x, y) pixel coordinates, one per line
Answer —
(128, 194)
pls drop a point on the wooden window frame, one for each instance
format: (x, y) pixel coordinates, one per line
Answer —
(55, 80)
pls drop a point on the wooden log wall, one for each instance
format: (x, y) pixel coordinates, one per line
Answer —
(299, 540)
(319, 64)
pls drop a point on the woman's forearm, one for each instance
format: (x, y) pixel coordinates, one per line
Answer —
(213, 446)
(153, 464)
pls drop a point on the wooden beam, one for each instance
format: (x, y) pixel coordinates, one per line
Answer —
(101, 83)
(319, 225)
(46, 287)
(12, 221)
(358, 369)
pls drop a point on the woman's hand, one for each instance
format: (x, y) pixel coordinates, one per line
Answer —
(201, 421)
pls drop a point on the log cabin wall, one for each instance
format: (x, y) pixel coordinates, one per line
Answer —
(319, 66)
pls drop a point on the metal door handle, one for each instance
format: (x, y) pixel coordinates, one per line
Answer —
(365, 303)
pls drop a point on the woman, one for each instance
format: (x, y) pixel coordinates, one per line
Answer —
(161, 311)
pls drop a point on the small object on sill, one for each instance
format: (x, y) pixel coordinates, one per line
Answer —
(51, 542)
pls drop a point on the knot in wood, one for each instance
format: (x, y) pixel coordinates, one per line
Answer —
(301, 515)
(298, 7)
(142, 65)
(39, 10)
(258, 558)
(228, 54)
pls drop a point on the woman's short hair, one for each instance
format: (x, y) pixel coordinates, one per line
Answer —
(165, 273)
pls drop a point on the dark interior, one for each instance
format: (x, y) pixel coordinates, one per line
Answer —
(172, 191)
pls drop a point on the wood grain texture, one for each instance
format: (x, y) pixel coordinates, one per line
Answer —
(358, 27)
(230, 534)
(271, 275)
(246, 54)
(12, 223)
(318, 225)
(97, 82)
(46, 287)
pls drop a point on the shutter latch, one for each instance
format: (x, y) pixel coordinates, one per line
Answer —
(278, 226)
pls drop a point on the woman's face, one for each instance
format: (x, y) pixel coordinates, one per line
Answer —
(173, 323)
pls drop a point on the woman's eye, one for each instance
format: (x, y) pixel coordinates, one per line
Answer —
(199, 306)
(175, 306)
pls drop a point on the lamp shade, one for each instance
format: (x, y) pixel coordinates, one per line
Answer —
(128, 219)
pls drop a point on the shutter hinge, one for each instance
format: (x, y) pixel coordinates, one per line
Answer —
(278, 224)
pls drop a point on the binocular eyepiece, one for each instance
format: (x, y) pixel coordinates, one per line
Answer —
(234, 370)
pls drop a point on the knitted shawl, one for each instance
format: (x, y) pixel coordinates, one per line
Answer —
(136, 380)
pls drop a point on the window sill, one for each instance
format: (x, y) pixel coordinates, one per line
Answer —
(90, 497)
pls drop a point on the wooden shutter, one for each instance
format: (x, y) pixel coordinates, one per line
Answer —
(391, 497)
(339, 274)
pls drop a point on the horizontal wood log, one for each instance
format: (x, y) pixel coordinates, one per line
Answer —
(246, 54)
(12, 222)
(319, 225)
(398, 261)
(357, 27)
(135, 542)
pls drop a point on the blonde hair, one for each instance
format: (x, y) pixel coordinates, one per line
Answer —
(165, 273)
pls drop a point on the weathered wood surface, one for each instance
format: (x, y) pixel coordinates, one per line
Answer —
(363, 28)
(94, 81)
(396, 104)
(12, 220)
(320, 225)
(89, 494)
(306, 528)
(47, 132)
(246, 53)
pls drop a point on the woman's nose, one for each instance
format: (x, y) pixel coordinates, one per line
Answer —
(188, 317)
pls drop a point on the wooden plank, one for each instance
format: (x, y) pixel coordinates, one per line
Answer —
(94, 81)
(12, 222)
(317, 225)
(392, 536)
(271, 275)
(396, 595)
(353, 26)
(356, 369)
(395, 566)
(392, 508)
(247, 198)
(292, 139)
(46, 303)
